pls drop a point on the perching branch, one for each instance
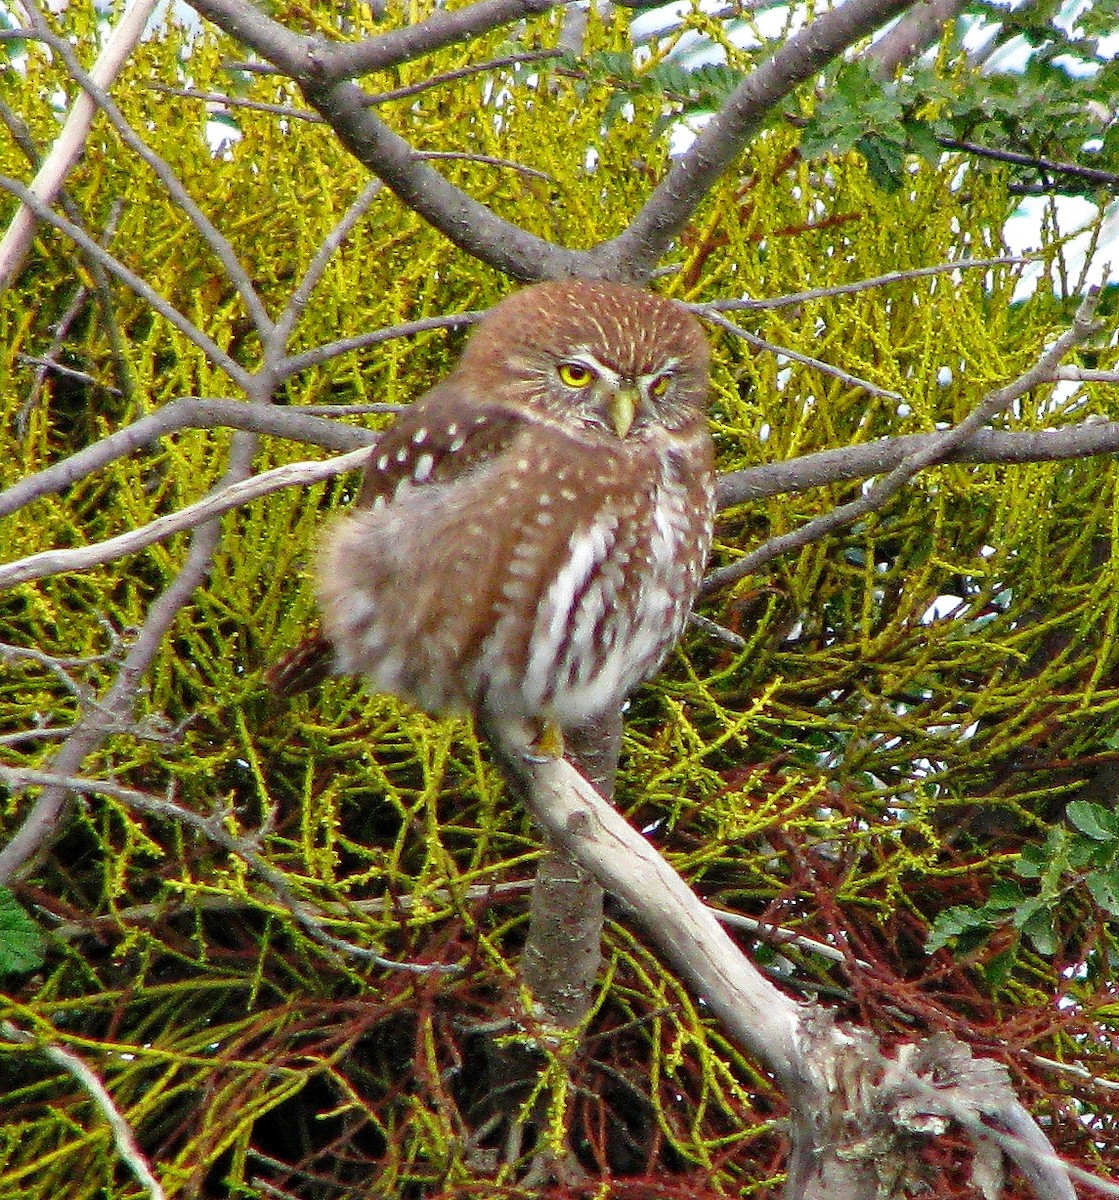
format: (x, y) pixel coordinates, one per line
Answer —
(855, 1114)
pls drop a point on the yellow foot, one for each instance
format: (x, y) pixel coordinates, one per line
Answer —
(548, 744)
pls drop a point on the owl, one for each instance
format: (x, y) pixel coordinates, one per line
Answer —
(530, 535)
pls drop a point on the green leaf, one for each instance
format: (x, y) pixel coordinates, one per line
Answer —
(1039, 929)
(1104, 887)
(999, 969)
(1093, 819)
(951, 923)
(1005, 894)
(885, 160)
(21, 943)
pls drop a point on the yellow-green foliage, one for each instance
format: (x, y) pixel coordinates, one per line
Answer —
(855, 735)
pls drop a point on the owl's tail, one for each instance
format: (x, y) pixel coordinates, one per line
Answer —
(303, 668)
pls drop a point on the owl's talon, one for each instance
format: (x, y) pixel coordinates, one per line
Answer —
(548, 745)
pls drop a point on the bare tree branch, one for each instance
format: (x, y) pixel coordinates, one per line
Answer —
(935, 450)
(322, 71)
(571, 812)
(185, 413)
(1090, 175)
(54, 562)
(326, 63)
(875, 458)
(22, 137)
(470, 225)
(70, 141)
(634, 253)
(123, 1137)
(912, 35)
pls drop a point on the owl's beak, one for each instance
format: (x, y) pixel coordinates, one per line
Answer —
(623, 407)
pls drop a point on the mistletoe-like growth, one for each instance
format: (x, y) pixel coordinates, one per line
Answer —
(289, 950)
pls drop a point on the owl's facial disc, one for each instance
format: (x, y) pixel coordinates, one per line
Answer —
(608, 398)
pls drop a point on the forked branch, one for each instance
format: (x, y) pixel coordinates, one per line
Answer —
(857, 1117)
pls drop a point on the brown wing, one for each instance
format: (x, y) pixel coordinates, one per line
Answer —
(445, 434)
(441, 437)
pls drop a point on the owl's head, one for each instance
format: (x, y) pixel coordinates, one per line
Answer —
(597, 355)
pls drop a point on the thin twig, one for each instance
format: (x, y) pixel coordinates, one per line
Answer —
(59, 667)
(862, 285)
(939, 447)
(752, 339)
(487, 159)
(778, 935)
(1091, 175)
(49, 365)
(123, 1137)
(293, 310)
(145, 914)
(227, 101)
(22, 136)
(214, 828)
(80, 558)
(321, 354)
(1077, 1069)
(493, 64)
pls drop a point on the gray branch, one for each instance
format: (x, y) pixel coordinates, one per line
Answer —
(634, 253)
(323, 71)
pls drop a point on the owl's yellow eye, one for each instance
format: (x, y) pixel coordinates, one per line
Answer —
(660, 385)
(576, 375)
